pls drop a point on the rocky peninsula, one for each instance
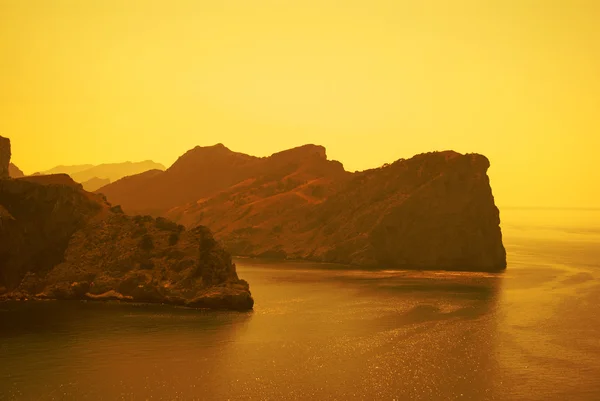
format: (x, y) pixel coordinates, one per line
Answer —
(58, 241)
(433, 211)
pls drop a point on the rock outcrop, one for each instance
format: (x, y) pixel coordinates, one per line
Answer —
(14, 171)
(4, 157)
(58, 241)
(433, 211)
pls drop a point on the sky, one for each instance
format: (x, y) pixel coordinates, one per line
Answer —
(373, 81)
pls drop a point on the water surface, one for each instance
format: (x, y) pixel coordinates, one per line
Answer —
(320, 332)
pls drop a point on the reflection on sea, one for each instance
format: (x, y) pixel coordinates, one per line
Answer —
(326, 332)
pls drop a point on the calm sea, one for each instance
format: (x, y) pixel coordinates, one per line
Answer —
(319, 332)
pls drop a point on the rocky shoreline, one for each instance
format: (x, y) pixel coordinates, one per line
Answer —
(234, 297)
(58, 241)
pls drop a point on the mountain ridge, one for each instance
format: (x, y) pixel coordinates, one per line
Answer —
(297, 204)
(60, 242)
(94, 177)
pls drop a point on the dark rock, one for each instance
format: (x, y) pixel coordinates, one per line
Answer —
(117, 209)
(14, 171)
(432, 211)
(223, 298)
(110, 295)
(58, 241)
(173, 238)
(4, 157)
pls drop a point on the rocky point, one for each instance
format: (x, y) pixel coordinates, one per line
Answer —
(58, 241)
(432, 211)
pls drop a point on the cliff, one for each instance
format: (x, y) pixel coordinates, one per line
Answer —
(14, 171)
(4, 157)
(433, 211)
(58, 241)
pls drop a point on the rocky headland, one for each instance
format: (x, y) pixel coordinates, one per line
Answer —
(58, 241)
(432, 211)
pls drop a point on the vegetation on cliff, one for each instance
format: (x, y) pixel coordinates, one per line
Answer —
(58, 241)
(435, 210)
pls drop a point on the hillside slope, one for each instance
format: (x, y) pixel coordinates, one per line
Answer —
(14, 171)
(203, 172)
(58, 241)
(435, 210)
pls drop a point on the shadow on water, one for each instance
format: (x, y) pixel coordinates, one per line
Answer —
(94, 350)
(106, 318)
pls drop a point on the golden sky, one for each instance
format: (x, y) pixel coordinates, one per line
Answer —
(92, 81)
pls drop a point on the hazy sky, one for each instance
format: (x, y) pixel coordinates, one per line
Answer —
(105, 81)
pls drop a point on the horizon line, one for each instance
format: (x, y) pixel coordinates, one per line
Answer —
(582, 208)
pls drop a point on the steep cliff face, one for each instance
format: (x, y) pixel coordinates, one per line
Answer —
(43, 219)
(449, 222)
(58, 241)
(435, 210)
(4, 157)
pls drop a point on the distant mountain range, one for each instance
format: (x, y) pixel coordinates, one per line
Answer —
(93, 177)
(435, 210)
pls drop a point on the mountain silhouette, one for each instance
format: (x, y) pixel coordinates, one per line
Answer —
(58, 241)
(14, 171)
(66, 169)
(93, 177)
(205, 171)
(94, 183)
(435, 210)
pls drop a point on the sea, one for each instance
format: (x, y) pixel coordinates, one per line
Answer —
(328, 332)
